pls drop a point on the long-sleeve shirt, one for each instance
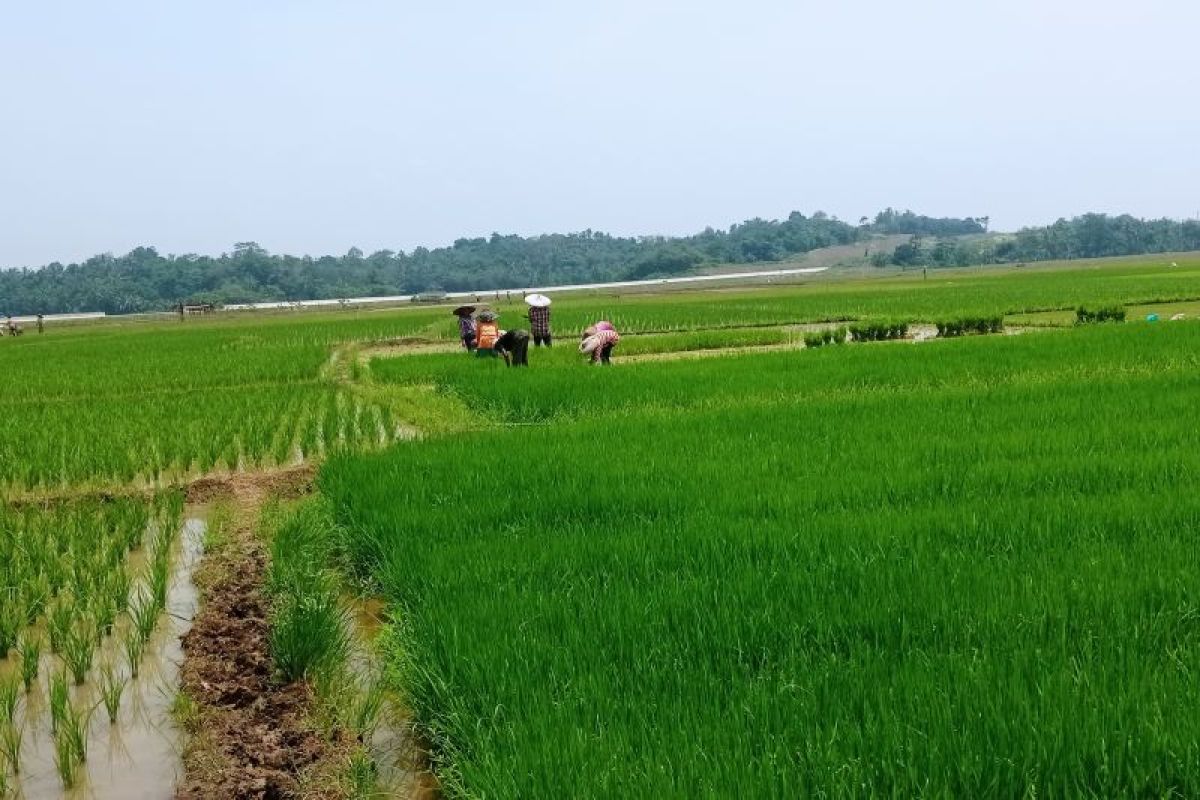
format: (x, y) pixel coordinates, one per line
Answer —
(596, 343)
(539, 320)
(466, 327)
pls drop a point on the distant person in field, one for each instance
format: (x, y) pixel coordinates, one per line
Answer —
(466, 326)
(41, 323)
(487, 332)
(539, 319)
(514, 346)
(599, 341)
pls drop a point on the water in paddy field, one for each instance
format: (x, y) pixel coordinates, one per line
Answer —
(395, 753)
(138, 757)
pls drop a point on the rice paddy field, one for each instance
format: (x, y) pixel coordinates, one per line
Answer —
(728, 565)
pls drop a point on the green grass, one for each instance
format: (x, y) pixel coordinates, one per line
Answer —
(961, 568)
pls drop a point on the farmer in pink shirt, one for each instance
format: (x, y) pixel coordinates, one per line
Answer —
(599, 341)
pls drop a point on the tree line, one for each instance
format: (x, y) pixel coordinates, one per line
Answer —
(146, 280)
(1086, 236)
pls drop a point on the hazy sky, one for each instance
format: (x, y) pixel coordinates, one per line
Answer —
(311, 127)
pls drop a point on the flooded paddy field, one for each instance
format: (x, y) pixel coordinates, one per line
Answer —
(130, 740)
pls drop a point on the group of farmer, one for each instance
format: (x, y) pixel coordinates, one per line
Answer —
(481, 334)
(11, 328)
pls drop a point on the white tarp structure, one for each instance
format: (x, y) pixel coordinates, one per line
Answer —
(32, 318)
(521, 292)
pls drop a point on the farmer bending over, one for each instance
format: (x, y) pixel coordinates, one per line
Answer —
(516, 344)
(599, 341)
(466, 326)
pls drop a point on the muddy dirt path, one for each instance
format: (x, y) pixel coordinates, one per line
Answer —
(249, 737)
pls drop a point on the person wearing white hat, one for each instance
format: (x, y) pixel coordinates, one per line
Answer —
(539, 319)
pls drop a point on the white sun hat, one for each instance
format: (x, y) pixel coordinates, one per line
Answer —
(537, 300)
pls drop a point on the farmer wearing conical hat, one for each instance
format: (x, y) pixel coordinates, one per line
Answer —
(466, 326)
(539, 318)
(487, 331)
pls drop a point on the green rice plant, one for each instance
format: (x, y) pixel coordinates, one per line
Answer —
(1001, 571)
(111, 688)
(36, 594)
(143, 613)
(133, 646)
(30, 651)
(159, 578)
(1085, 315)
(11, 620)
(10, 689)
(118, 590)
(877, 331)
(60, 699)
(78, 650)
(960, 326)
(825, 337)
(58, 622)
(74, 728)
(70, 746)
(10, 748)
(309, 634)
(105, 615)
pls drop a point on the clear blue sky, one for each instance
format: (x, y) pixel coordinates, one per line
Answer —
(311, 127)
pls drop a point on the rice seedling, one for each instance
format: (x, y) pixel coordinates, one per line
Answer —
(78, 651)
(143, 613)
(60, 699)
(1085, 316)
(30, 651)
(73, 728)
(159, 577)
(116, 590)
(825, 337)
(10, 747)
(111, 688)
(58, 623)
(10, 690)
(964, 325)
(68, 755)
(133, 646)
(10, 626)
(37, 594)
(105, 615)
